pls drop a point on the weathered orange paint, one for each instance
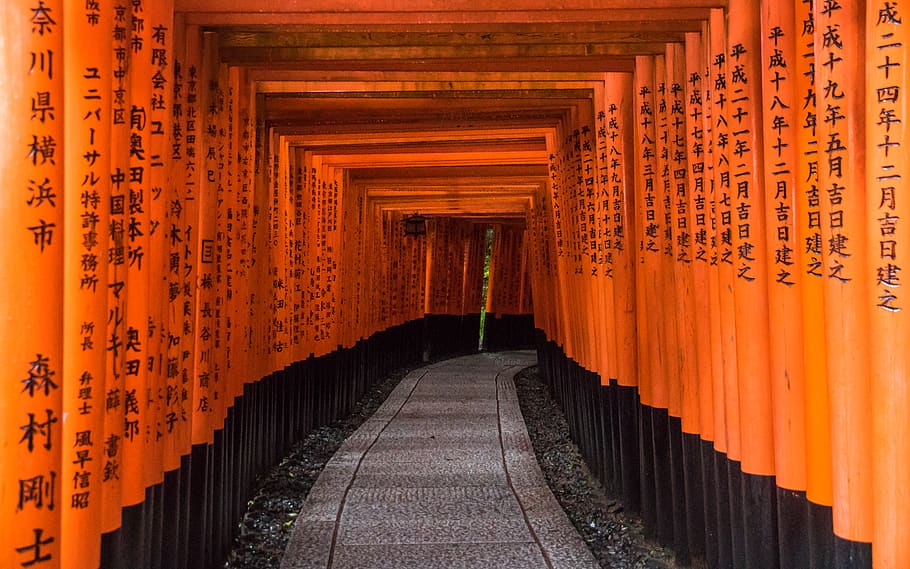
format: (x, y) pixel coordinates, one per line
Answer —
(602, 235)
(203, 402)
(750, 285)
(180, 267)
(137, 413)
(87, 161)
(118, 273)
(647, 241)
(699, 224)
(728, 387)
(841, 168)
(156, 59)
(779, 131)
(682, 241)
(886, 218)
(622, 178)
(665, 379)
(31, 267)
(808, 228)
(804, 381)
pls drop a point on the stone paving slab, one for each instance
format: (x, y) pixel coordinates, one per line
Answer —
(443, 555)
(443, 475)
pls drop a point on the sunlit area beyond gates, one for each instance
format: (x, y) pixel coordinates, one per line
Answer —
(222, 221)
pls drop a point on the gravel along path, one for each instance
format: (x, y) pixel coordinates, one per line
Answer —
(614, 538)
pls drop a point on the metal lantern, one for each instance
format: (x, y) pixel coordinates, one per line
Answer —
(415, 225)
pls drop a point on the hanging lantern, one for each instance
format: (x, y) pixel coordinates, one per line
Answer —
(415, 225)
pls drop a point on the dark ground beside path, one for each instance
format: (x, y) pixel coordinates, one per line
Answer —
(615, 539)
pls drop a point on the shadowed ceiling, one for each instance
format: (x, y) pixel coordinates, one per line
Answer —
(441, 106)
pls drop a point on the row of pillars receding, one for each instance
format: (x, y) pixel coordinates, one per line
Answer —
(187, 292)
(719, 231)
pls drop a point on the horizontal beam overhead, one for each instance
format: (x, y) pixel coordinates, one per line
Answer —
(439, 89)
(378, 55)
(374, 39)
(645, 21)
(284, 13)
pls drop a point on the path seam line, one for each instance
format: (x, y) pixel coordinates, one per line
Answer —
(505, 466)
(344, 496)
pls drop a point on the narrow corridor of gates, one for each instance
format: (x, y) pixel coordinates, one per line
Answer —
(443, 475)
(698, 211)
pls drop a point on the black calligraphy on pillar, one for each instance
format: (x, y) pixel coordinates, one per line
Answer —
(554, 164)
(678, 163)
(722, 152)
(32, 553)
(779, 107)
(888, 59)
(617, 172)
(587, 199)
(808, 123)
(701, 237)
(834, 147)
(651, 225)
(43, 107)
(93, 119)
(741, 140)
(664, 166)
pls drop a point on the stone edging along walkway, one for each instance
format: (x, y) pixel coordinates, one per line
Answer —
(442, 475)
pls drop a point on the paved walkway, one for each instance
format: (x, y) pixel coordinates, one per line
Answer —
(442, 476)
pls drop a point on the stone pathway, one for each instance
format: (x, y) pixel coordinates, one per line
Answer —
(442, 476)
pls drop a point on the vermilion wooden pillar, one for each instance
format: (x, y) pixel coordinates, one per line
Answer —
(648, 229)
(203, 405)
(729, 521)
(619, 117)
(189, 185)
(684, 420)
(839, 73)
(31, 266)
(156, 59)
(558, 243)
(621, 161)
(586, 229)
(177, 228)
(701, 509)
(743, 116)
(112, 466)
(808, 228)
(887, 215)
(646, 215)
(682, 245)
(661, 300)
(781, 154)
(583, 181)
(601, 218)
(88, 76)
(699, 223)
(136, 342)
(245, 213)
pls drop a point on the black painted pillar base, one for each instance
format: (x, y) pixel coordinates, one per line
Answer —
(709, 499)
(821, 536)
(112, 556)
(792, 529)
(691, 497)
(627, 407)
(647, 481)
(759, 506)
(694, 490)
(852, 554)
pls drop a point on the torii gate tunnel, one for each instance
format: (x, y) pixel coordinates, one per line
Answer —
(697, 212)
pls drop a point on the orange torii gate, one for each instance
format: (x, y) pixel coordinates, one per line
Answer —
(203, 255)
